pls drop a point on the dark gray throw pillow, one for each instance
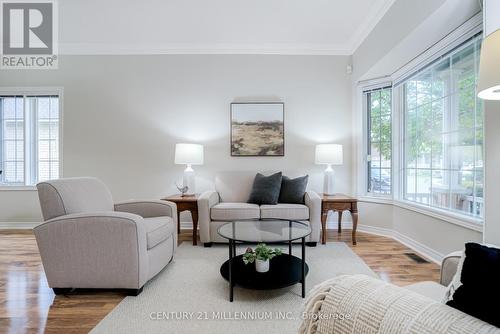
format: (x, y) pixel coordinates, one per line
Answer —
(266, 189)
(293, 190)
(479, 283)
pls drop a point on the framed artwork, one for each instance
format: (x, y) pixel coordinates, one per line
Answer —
(257, 129)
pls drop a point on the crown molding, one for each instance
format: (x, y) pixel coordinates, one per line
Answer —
(369, 24)
(344, 49)
(200, 49)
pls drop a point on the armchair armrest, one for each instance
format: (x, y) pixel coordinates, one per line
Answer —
(313, 202)
(147, 209)
(449, 267)
(205, 202)
(94, 250)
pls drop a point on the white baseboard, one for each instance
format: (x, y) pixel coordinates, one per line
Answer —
(18, 225)
(425, 251)
(418, 247)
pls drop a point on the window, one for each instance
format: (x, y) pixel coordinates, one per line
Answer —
(29, 139)
(379, 121)
(443, 133)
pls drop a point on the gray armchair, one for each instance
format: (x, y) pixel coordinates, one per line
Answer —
(88, 242)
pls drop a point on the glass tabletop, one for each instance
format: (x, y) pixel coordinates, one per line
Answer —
(266, 230)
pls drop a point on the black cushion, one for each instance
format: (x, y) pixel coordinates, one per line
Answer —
(266, 189)
(293, 190)
(480, 289)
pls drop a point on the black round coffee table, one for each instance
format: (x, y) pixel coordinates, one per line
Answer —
(285, 270)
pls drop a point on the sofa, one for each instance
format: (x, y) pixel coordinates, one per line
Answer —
(363, 304)
(228, 202)
(88, 242)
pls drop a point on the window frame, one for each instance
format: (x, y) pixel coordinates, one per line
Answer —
(453, 40)
(464, 219)
(367, 139)
(30, 91)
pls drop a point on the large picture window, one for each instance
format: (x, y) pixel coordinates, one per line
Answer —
(379, 121)
(443, 133)
(29, 139)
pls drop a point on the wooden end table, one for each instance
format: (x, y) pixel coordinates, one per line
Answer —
(186, 203)
(339, 203)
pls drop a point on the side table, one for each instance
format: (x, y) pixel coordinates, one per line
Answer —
(339, 203)
(186, 203)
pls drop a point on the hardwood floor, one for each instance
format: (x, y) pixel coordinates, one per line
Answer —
(27, 305)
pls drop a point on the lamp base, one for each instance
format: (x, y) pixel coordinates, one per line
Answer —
(188, 180)
(329, 181)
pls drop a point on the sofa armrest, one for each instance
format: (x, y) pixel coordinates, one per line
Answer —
(94, 250)
(313, 202)
(205, 202)
(449, 267)
(363, 304)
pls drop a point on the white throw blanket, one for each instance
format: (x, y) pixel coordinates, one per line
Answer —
(362, 304)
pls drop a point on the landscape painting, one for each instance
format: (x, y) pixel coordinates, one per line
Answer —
(257, 129)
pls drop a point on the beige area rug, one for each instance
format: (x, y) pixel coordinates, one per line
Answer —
(190, 295)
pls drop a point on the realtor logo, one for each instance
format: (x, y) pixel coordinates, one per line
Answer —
(28, 34)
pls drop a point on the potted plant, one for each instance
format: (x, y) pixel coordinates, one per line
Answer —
(261, 256)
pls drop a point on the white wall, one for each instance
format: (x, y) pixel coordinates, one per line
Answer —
(124, 114)
(399, 21)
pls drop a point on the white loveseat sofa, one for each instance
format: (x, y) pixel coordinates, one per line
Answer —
(229, 202)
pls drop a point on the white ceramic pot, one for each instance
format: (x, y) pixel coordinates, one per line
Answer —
(261, 266)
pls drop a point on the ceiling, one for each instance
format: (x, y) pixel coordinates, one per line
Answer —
(217, 26)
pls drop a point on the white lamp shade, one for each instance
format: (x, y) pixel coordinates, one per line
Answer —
(329, 154)
(188, 154)
(488, 86)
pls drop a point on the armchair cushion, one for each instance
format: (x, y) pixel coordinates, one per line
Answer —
(285, 211)
(234, 211)
(158, 229)
(73, 195)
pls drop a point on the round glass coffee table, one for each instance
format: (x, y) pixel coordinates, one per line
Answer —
(285, 270)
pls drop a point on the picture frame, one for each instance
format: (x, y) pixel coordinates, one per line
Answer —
(257, 129)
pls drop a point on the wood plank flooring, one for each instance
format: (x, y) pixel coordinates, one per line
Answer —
(27, 305)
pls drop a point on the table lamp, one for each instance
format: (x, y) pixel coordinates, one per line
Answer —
(329, 154)
(189, 154)
(488, 86)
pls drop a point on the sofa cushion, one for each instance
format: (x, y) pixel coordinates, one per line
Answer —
(285, 211)
(234, 211)
(158, 229)
(293, 190)
(234, 186)
(265, 189)
(429, 289)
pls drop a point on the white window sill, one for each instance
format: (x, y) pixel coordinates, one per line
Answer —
(17, 188)
(475, 224)
(376, 199)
